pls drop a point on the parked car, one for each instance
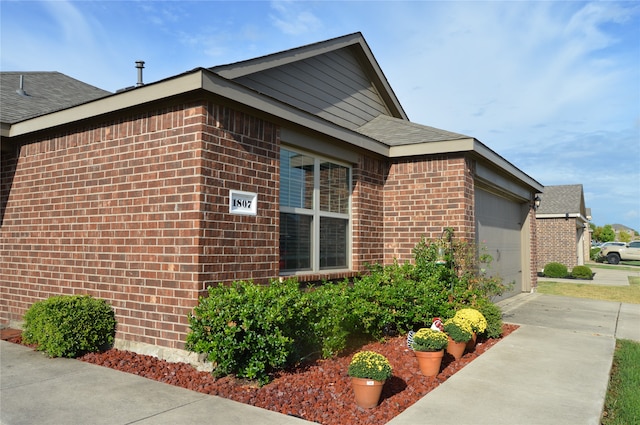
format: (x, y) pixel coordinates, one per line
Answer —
(615, 253)
(605, 244)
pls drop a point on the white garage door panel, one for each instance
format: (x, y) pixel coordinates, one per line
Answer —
(499, 230)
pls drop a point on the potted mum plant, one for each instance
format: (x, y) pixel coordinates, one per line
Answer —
(368, 371)
(428, 346)
(459, 332)
(476, 320)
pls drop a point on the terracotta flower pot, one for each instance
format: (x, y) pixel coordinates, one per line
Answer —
(471, 344)
(367, 392)
(456, 349)
(429, 362)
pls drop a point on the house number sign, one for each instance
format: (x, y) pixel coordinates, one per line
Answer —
(245, 203)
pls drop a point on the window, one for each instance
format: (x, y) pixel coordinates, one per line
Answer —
(314, 213)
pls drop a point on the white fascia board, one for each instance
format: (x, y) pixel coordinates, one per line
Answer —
(250, 66)
(578, 216)
(468, 145)
(134, 97)
(431, 148)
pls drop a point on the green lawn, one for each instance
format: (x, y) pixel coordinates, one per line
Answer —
(624, 294)
(622, 404)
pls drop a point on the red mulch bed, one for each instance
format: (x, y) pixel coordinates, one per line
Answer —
(318, 392)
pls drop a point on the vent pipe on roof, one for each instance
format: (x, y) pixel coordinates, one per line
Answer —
(20, 90)
(140, 66)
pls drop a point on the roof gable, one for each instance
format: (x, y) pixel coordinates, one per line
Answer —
(562, 199)
(44, 92)
(338, 80)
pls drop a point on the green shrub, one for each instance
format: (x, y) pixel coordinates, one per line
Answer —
(556, 270)
(251, 330)
(582, 272)
(594, 254)
(328, 317)
(391, 300)
(493, 315)
(68, 326)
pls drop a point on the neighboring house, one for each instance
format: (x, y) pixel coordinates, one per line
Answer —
(562, 223)
(301, 163)
(622, 228)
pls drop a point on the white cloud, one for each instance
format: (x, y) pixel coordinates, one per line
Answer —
(484, 67)
(291, 19)
(72, 23)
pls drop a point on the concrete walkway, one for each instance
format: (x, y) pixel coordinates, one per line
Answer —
(35, 389)
(553, 370)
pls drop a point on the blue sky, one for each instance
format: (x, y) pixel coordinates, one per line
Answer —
(553, 87)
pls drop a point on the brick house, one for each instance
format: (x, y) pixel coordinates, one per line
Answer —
(298, 163)
(562, 222)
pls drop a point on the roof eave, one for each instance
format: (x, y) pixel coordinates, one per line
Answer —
(465, 145)
(488, 154)
(198, 79)
(126, 99)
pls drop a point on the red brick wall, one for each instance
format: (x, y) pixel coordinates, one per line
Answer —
(422, 197)
(556, 239)
(368, 211)
(112, 211)
(533, 246)
(135, 211)
(240, 152)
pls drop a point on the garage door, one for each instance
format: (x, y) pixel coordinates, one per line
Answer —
(499, 229)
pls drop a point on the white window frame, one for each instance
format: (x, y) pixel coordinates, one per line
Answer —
(316, 214)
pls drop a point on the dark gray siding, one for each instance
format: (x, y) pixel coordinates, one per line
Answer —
(332, 86)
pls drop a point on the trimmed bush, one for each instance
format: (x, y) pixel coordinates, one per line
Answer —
(556, 270)
(328, 318)
(251, 330)
(69, 326)
(390, 300)
(582, 272)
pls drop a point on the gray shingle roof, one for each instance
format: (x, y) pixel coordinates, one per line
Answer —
(45, 92)
(396, 132)
(562, 199)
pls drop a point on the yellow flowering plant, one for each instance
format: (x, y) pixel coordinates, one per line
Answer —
(429, 340)
(458, 329)
(370, 365)
(474, 317)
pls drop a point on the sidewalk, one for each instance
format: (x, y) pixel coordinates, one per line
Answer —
(35, 389)
(553, 370)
